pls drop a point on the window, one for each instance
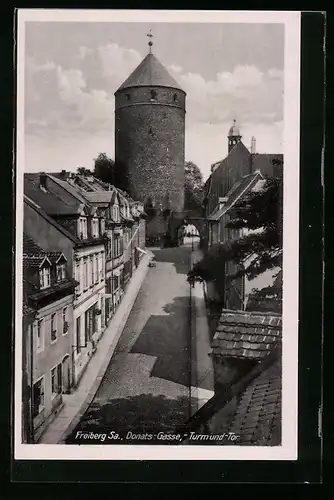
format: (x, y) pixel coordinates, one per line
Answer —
(96, 266)
(102, 265)
(78, 335)
(44, 277)
(153, 95)
(65, 321)
(175, 97)
(93, 269)
(53, 327)
(116, 213)
(40, 335)
(116, 282)
(95, 228)
(83, 228)
(128, 97)
(85, 274)
(56, 380)
(61, 272)
(78, 277)
(99, 266)
(38, 397)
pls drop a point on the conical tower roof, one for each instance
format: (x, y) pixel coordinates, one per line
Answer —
(150, 72)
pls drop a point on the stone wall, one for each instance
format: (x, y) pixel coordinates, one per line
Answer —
(149, 144)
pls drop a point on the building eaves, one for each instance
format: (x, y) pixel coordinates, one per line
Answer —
(150, 72)
(247, 334)
(236, 193)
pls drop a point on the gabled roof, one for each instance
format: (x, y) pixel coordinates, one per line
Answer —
(35, 261)
(43, 214)
(69, 188)
(34, 255)
(247, 334)
(150, 72)
(240, 188)
(99, 196)
(56, 256)
(51, 203)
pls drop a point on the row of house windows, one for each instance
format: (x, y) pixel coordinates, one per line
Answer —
(86, 326)
(89, 271)
(118, 246)
(96, 230)
(38, 399)
(54, 328)
(45, 275)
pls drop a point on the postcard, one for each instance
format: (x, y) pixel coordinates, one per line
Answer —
(157, 243)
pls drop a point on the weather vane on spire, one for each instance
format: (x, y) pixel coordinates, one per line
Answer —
(150, 43)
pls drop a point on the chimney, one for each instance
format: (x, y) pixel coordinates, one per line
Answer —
(42, 181)
(253, 145)
(63, 174)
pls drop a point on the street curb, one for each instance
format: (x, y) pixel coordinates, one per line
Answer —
(119, 330)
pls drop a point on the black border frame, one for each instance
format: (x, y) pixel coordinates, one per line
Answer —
(308, 467)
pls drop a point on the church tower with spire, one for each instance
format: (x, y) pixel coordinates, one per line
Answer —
(150, 136)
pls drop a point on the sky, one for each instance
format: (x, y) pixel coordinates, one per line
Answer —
(72, 69)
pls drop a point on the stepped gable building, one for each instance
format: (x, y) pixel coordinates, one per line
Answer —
(150, 143)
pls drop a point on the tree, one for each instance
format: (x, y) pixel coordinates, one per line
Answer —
(193, 187)
(84, 171)
(259, 217)
(104, 168)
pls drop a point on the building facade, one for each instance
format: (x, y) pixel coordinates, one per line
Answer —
(231, 180)
(59, 218)
(150, 143)
(47, 369)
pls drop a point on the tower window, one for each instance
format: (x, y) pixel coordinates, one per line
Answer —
(153, 95)
(175, 97)
(128, 97)
(150, 131)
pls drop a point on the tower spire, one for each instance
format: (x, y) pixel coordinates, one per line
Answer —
(150, 43)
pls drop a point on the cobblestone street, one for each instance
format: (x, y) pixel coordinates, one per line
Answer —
(146, 387)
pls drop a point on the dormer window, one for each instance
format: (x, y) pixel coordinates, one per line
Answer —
(61, 272)
(82, 228)
(95, 227)
(116, 213)
(44, 276)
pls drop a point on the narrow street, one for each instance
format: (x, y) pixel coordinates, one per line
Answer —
(148, 385)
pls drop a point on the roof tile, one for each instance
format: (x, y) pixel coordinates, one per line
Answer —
(246, 334)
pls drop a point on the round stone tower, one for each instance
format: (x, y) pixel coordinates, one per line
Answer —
(149, 136)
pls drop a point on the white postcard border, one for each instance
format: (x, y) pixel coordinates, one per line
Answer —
(288, 449)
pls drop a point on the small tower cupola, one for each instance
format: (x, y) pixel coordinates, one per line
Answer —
(234, 136)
